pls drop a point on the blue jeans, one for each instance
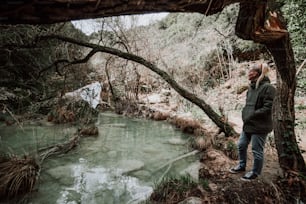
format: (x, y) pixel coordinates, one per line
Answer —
(258, 144)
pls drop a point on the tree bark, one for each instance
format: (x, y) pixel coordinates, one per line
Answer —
(52, 11)
(217, 119)
(289, 154)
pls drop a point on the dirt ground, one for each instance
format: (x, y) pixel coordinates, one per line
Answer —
(268, 188)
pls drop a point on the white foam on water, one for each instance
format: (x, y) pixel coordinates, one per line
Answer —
(88, 182)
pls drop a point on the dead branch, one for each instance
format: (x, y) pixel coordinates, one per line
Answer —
(67, 63)
(300, 67)
(13, 116)
(59, 148)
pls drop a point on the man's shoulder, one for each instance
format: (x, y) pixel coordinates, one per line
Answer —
(267, 88)
(268, 85)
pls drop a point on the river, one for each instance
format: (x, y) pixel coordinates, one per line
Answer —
(119, 166)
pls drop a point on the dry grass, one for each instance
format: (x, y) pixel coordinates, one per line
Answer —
(89, 131)
(62, 115)
(157, 115)
(17, 175)
(187, 125)
(201, 143)
(227, 145)
(174, 190)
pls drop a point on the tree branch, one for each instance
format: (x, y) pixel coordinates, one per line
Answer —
(69, 63)
(225, 127)
(52, 11)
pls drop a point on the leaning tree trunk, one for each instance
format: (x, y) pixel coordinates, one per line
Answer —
(250, 26)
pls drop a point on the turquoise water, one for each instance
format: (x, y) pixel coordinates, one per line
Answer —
(118, 166)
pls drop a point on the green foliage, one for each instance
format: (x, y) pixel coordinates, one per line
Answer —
(171, 184)
(179, 26)
(26, 61)
(204, 183)
(300, 107)
(231, 146)
(294, 12)
(295, 15)
(201, 47)
(289, 145)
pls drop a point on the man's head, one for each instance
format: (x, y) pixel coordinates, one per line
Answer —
(255, 72)
(258, 72)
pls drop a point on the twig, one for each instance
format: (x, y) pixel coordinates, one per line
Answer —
(178, 158)
(97, 5)
(68, 63)
(300, 67)
(5, 108)
(162, 176)
(220, 62)
(276, 192)
(208, 8)
(219, 32)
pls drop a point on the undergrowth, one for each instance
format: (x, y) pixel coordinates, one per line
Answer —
(174, 190)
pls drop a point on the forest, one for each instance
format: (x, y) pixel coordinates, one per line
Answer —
(187, 70)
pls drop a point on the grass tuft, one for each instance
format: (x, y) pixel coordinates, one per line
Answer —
(174, 190)
(17, 175)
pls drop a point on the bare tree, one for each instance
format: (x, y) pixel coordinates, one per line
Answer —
(122, 75)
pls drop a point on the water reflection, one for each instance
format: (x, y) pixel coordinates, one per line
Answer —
(102, 185)
(119, 166)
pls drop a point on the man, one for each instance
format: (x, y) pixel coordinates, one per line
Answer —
(257, 121)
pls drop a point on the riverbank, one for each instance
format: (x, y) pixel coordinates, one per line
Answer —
(230, 97)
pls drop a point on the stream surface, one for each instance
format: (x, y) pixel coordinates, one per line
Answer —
(117, 167)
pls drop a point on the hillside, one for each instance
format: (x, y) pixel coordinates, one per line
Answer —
(203, 55)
